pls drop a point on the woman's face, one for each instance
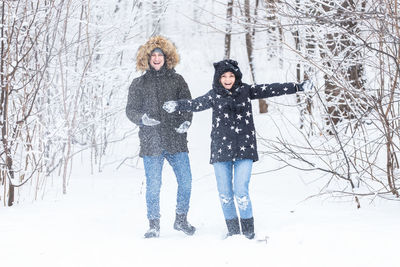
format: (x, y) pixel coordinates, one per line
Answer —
(227, 80)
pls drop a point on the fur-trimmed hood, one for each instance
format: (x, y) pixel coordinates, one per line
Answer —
(144, 53)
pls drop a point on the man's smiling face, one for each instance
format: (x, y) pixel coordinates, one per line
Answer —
(227, 80)
(157, 60)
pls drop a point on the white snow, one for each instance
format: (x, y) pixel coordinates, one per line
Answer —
(102, 219)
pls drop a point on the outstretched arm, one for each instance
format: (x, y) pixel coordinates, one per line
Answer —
(273, 89)
(191, 105)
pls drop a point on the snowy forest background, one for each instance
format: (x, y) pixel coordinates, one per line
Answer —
(66, 66)
(72, 184)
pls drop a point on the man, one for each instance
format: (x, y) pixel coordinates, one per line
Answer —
(162, 135)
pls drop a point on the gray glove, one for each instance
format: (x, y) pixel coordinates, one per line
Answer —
(306, 86)
(170, 106)
(183, 128)
(149, 121)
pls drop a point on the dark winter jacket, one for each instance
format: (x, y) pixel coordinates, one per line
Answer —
(233, 133)
(147, 94)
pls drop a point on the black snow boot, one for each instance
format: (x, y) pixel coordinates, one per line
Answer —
(248, 227)
(154, 230)
(181, 224)
(233, 227)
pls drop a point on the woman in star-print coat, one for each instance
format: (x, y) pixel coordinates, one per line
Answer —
(233, 139)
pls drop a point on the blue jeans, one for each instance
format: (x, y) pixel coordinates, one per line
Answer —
(153, 168)
(233, 179)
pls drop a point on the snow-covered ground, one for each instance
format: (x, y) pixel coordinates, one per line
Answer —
(101, 221)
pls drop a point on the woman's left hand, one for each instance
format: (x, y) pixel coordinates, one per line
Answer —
(170, 106)
(306, 86)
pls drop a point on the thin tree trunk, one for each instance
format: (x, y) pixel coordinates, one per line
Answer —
(250, 34)
(156, 6)
(339, 101)
(8, 173)
(309, 46)
(3, 176)
(229, 12)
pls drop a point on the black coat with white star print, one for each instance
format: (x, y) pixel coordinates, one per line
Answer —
(233, 133)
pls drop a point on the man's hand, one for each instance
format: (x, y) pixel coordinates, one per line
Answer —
(183, 128)
(149, 121)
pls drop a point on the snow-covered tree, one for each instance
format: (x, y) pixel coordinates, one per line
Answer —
(350, 50)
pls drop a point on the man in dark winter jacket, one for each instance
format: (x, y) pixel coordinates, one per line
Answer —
(162, 135)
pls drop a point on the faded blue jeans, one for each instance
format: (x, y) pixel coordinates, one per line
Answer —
(233, 179)
(153, 168)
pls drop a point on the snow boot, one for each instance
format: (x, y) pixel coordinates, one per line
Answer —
(181, 224)
(154, 230)
(233, 227)
(248, 227)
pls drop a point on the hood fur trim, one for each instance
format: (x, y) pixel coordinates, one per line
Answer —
(144, 52)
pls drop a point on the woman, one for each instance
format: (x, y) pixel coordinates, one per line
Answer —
(233, 140)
